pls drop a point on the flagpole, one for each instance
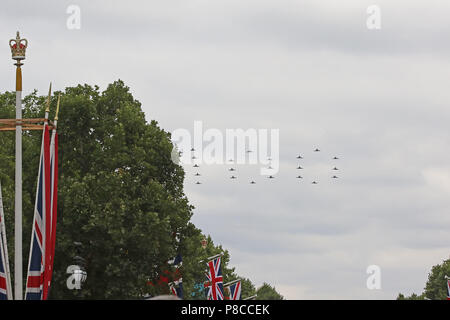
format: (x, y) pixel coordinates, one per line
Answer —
(231, 282)
(47, 248)
(18, 272)
(211, 258)
(18, 47)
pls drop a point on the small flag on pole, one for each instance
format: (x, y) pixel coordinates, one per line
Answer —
(41, 227)
(214, 285)
(235, 290)
(50, 245)
(176, 285)
(176, 288)
(5, 275)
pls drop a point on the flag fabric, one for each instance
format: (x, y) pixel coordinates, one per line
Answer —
(448, 289)
(50, 244)
(176, 286)
(178, 261)
(170, 278)
(41, 226)
(3, 276)
(235, 291)
(214, 284)
(162, 280)
(5, 280)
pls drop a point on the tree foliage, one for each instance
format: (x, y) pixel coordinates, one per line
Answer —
(267, 292)
(436, 286)
(121, 205)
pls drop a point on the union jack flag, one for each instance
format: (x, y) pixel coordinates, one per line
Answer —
(235, 291)
(5, 281)
(51, 230)
(214, 285)
(170, 279)
(176, 286)
(37, 260)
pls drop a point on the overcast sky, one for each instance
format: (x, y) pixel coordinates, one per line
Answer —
(377, 99)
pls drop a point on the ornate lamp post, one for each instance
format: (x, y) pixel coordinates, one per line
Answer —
(18, 49)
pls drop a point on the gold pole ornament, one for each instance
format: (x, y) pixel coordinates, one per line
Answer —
(57, 108)
(18, 48)
(47, 110)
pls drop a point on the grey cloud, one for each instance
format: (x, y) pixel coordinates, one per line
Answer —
(377, 99)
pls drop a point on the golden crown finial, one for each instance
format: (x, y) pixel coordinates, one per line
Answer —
(18, 47)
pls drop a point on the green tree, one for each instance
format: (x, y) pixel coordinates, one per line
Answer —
(267, 292)
(411, 297)
(436, 286)
(120, 195)
(121, 204)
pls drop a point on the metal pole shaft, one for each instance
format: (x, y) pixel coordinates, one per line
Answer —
(18, 273)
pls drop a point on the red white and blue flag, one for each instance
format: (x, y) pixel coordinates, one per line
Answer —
(51, 230)
(176, 286)
(235, 291)
(40, 234)
(214, 285)
(42, 247)
(5, 281)
(3, 277)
